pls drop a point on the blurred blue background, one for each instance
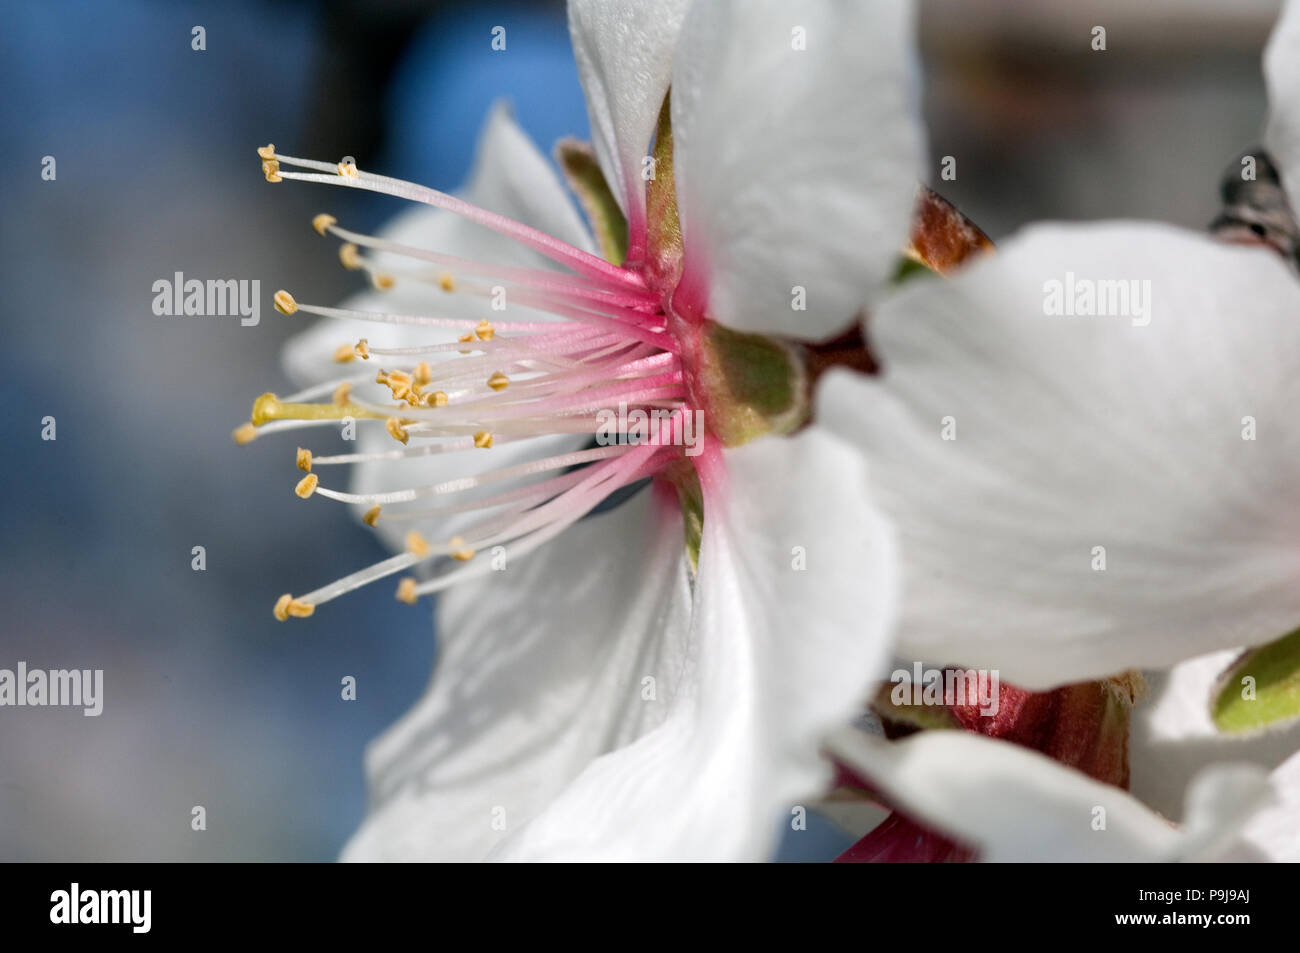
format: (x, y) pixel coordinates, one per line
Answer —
(210, 701)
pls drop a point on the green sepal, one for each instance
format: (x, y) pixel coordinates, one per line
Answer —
(1260, 689)
(752, 385)
(582, 171)
(908, 268)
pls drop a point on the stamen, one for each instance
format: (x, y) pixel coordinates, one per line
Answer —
(417, 545)
(287, 606)
(514, 380)
(406, 591)
(562, 252)
(268, 407)
(395, 430)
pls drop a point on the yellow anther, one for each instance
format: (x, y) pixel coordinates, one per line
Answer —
(307, 485)
(485, 331)
(446, 282)
(304, 459)
(498, 381)
(399, 382)
(406, 591)
(322, 222)
(363, 349)
(437, 399)
(348, 169)
(265, 408)
(483, 440)
(271, 169)
(267, 151)
(465, 339)
(382, 282)
(459, 550)
(395, 430)
(287, 606)
(350, 255)
(344, 354)
(246, 433)
(416, 544)
(284, 302)
(372, 516)
(423, 373)
(342, 394)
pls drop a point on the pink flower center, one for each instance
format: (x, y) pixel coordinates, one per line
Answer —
(607, 364)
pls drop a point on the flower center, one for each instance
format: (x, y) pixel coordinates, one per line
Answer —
(603, 363)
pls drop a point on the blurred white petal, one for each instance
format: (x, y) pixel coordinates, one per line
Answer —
(1282, 76)
(540, 670)
(1014, 804)
(1081, 432)
(624, 50)
(794, 167)
(778, 657)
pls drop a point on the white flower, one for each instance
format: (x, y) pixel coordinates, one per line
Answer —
(1086, 489)
(604, 698)
(1112, 490)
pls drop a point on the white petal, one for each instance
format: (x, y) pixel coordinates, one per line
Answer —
(624, 50)
(511, 178)
(1173, 737)
(795, 168)
(1074, 433)
(1273, 833)
(541, 669)
(1014, 804)
(1282, 75)
(778, 657)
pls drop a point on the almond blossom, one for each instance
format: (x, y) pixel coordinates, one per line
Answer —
(623, 674)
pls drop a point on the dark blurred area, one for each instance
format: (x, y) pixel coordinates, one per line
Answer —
(209, 701)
